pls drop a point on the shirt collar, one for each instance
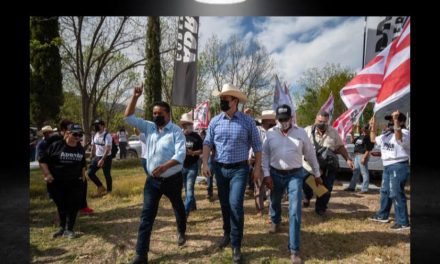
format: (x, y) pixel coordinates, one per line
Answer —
(237, 114)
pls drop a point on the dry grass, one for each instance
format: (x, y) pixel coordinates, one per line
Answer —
(109, 235)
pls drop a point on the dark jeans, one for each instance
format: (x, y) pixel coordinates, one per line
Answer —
(231, 185)
(105, 169)
(83, 203)
(210, 180)
(123, 150)
(328, 177)
(144, 165)
(153, 191)
(67, 197)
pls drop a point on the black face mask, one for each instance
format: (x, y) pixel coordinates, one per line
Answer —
(390, 128)
(96, 126)
(224, 105)
(159, 120)
(322, 126)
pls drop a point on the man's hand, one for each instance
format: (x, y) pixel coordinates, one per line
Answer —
(100, 163)
(395, 116)
(138, 91)
(205, 170)
(364, 160)
(48, 178)
(159, 170)
(350, 164)
(257, 174)
(318, 181)
(372, 123)
(268, 182)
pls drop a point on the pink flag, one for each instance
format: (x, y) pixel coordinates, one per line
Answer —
(328, 106)
(345, 122)
(386, 78)
(201, 116)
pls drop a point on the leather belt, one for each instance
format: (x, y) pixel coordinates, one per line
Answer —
(169, 178)
(231, 165)
(286, 172)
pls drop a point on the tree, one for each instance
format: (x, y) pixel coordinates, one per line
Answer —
(153, 74)
(91, 46)
(317, 84)
(46, 90)
(244, 63)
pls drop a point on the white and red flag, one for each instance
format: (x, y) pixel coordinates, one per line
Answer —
(385, 79)
(201, 116)
(344, 123)
(328, 106)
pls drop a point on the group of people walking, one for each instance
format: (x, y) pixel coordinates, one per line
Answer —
(281, 153)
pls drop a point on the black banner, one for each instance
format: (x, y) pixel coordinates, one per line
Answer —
(185, 66)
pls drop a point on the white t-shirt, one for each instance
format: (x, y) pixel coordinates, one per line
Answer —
(392, 150)
(122, 136)
(98, 141)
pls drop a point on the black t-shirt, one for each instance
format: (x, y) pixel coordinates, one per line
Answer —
(362, 144)
(65, 162)
(193, 142)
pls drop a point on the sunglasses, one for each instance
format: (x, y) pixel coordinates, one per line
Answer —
(77, 135)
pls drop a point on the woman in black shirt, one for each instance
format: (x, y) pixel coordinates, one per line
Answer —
(64, 166)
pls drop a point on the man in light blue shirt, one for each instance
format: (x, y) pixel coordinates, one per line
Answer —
(232, 133)
(166, 152)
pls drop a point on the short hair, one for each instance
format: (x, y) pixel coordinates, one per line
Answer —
(323, 113)
(64, 124)
(164, 105)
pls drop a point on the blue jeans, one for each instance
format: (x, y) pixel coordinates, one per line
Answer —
(106, 168)
(293, 182)
(210, 180)
(328, 179)
(359, 168)
(394, 178)
(189, 179)
(231, 184)
(144, 165)
(153, 191)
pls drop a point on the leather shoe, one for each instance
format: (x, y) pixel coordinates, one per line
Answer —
(225, 241)
(138, 259)
(236, 255)
(181, 239)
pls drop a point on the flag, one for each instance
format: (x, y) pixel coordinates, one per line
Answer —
(201, 116)
(185, 65)
(282, 96)
(328, 106)
(380, 31)
(344, 123)
(385, 79)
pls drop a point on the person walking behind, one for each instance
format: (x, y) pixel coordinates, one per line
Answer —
(64, 166)
(123, 142)
(101, 153)
(395, 149)
(232, 133)
(166, 154)
(283, 151)
(362, 148)
(190, 170)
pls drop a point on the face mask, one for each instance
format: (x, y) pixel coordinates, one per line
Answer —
(224, 105)
(159, 120)
(285, 125)
(96, 126)
(322, 126)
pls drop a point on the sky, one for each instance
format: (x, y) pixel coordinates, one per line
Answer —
(295, 43)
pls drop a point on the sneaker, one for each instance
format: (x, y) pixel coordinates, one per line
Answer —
(379, 219)
(349, 189)
(69, 234)
(58, 233)
(398, 227)
(296, 259)
(274, 228)
(86, 210)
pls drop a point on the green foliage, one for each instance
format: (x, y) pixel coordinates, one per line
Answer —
(317, 85)
(153, 78)
(71, 109)
(46, 94)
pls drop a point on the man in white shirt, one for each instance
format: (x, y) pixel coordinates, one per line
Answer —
(283, 152)
(123, 142)
(394, 145)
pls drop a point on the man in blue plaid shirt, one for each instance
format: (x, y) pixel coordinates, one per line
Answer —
(232, 133)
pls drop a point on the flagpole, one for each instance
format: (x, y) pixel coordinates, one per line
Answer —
(365, 36)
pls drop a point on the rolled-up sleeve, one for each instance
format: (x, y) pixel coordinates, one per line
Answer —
(255, 137)
(265, 160)
(139, 123)
(310, 155)
(209, 139)
(179, 145)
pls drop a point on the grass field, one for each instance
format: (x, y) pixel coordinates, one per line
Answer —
(109, 234)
